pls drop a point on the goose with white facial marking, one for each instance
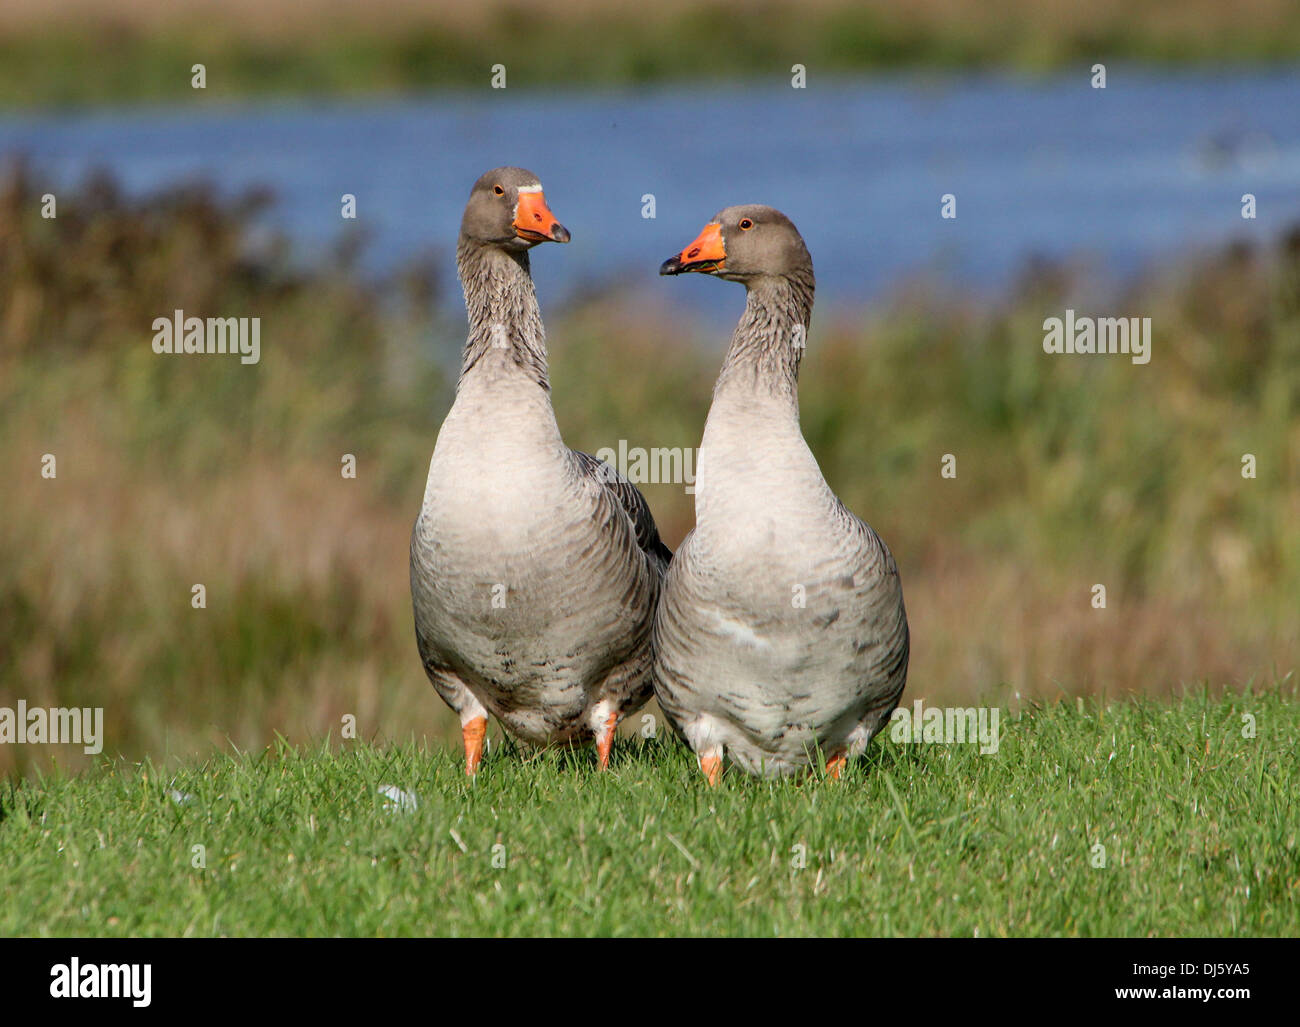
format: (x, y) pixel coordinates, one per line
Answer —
(781, 632)
(534, 568)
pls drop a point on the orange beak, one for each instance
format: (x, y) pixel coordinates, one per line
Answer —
(535, 222)
(707, 253)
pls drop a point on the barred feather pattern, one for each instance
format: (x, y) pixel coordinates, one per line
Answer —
(781, 630)
(533, 578)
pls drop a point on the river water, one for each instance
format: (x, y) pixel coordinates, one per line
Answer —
(1154, 164)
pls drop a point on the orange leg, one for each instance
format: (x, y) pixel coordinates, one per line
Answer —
(836, 764)
(711, 764)
(603, 745)
(473, 732)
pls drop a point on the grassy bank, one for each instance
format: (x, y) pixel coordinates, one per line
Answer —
(174, 471)
(95, 51)
(1198, 825)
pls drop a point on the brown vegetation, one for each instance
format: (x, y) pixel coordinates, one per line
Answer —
(181, 470)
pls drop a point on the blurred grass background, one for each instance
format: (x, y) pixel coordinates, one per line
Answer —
(110, 51)
(181, 470)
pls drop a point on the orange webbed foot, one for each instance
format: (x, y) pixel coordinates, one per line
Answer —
(604, 744)
(711, 764)
(473, 733)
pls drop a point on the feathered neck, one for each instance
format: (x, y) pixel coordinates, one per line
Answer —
(501, 303)
(769, 339)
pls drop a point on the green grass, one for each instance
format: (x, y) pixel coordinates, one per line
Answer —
(1199, 825)
(148, 56)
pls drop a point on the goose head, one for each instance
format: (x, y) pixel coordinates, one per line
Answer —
(744, 244)
(508, 209)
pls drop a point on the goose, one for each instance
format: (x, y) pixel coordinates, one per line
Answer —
(535, 569)
(780, 632)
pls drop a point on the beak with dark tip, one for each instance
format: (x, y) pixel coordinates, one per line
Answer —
(706, 254)
(534, 221)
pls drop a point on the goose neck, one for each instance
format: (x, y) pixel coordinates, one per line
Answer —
(504, 317)
(769, 339)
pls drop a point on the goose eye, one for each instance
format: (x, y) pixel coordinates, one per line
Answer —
(746, 224)
(498, 190)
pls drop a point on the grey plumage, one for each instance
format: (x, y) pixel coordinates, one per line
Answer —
(534, 569)
(634, 505)
(781, 629)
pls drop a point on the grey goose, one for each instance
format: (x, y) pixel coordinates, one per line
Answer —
(534, 568)
(781, 632)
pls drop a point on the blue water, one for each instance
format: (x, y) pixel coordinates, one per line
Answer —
(1153, 165)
